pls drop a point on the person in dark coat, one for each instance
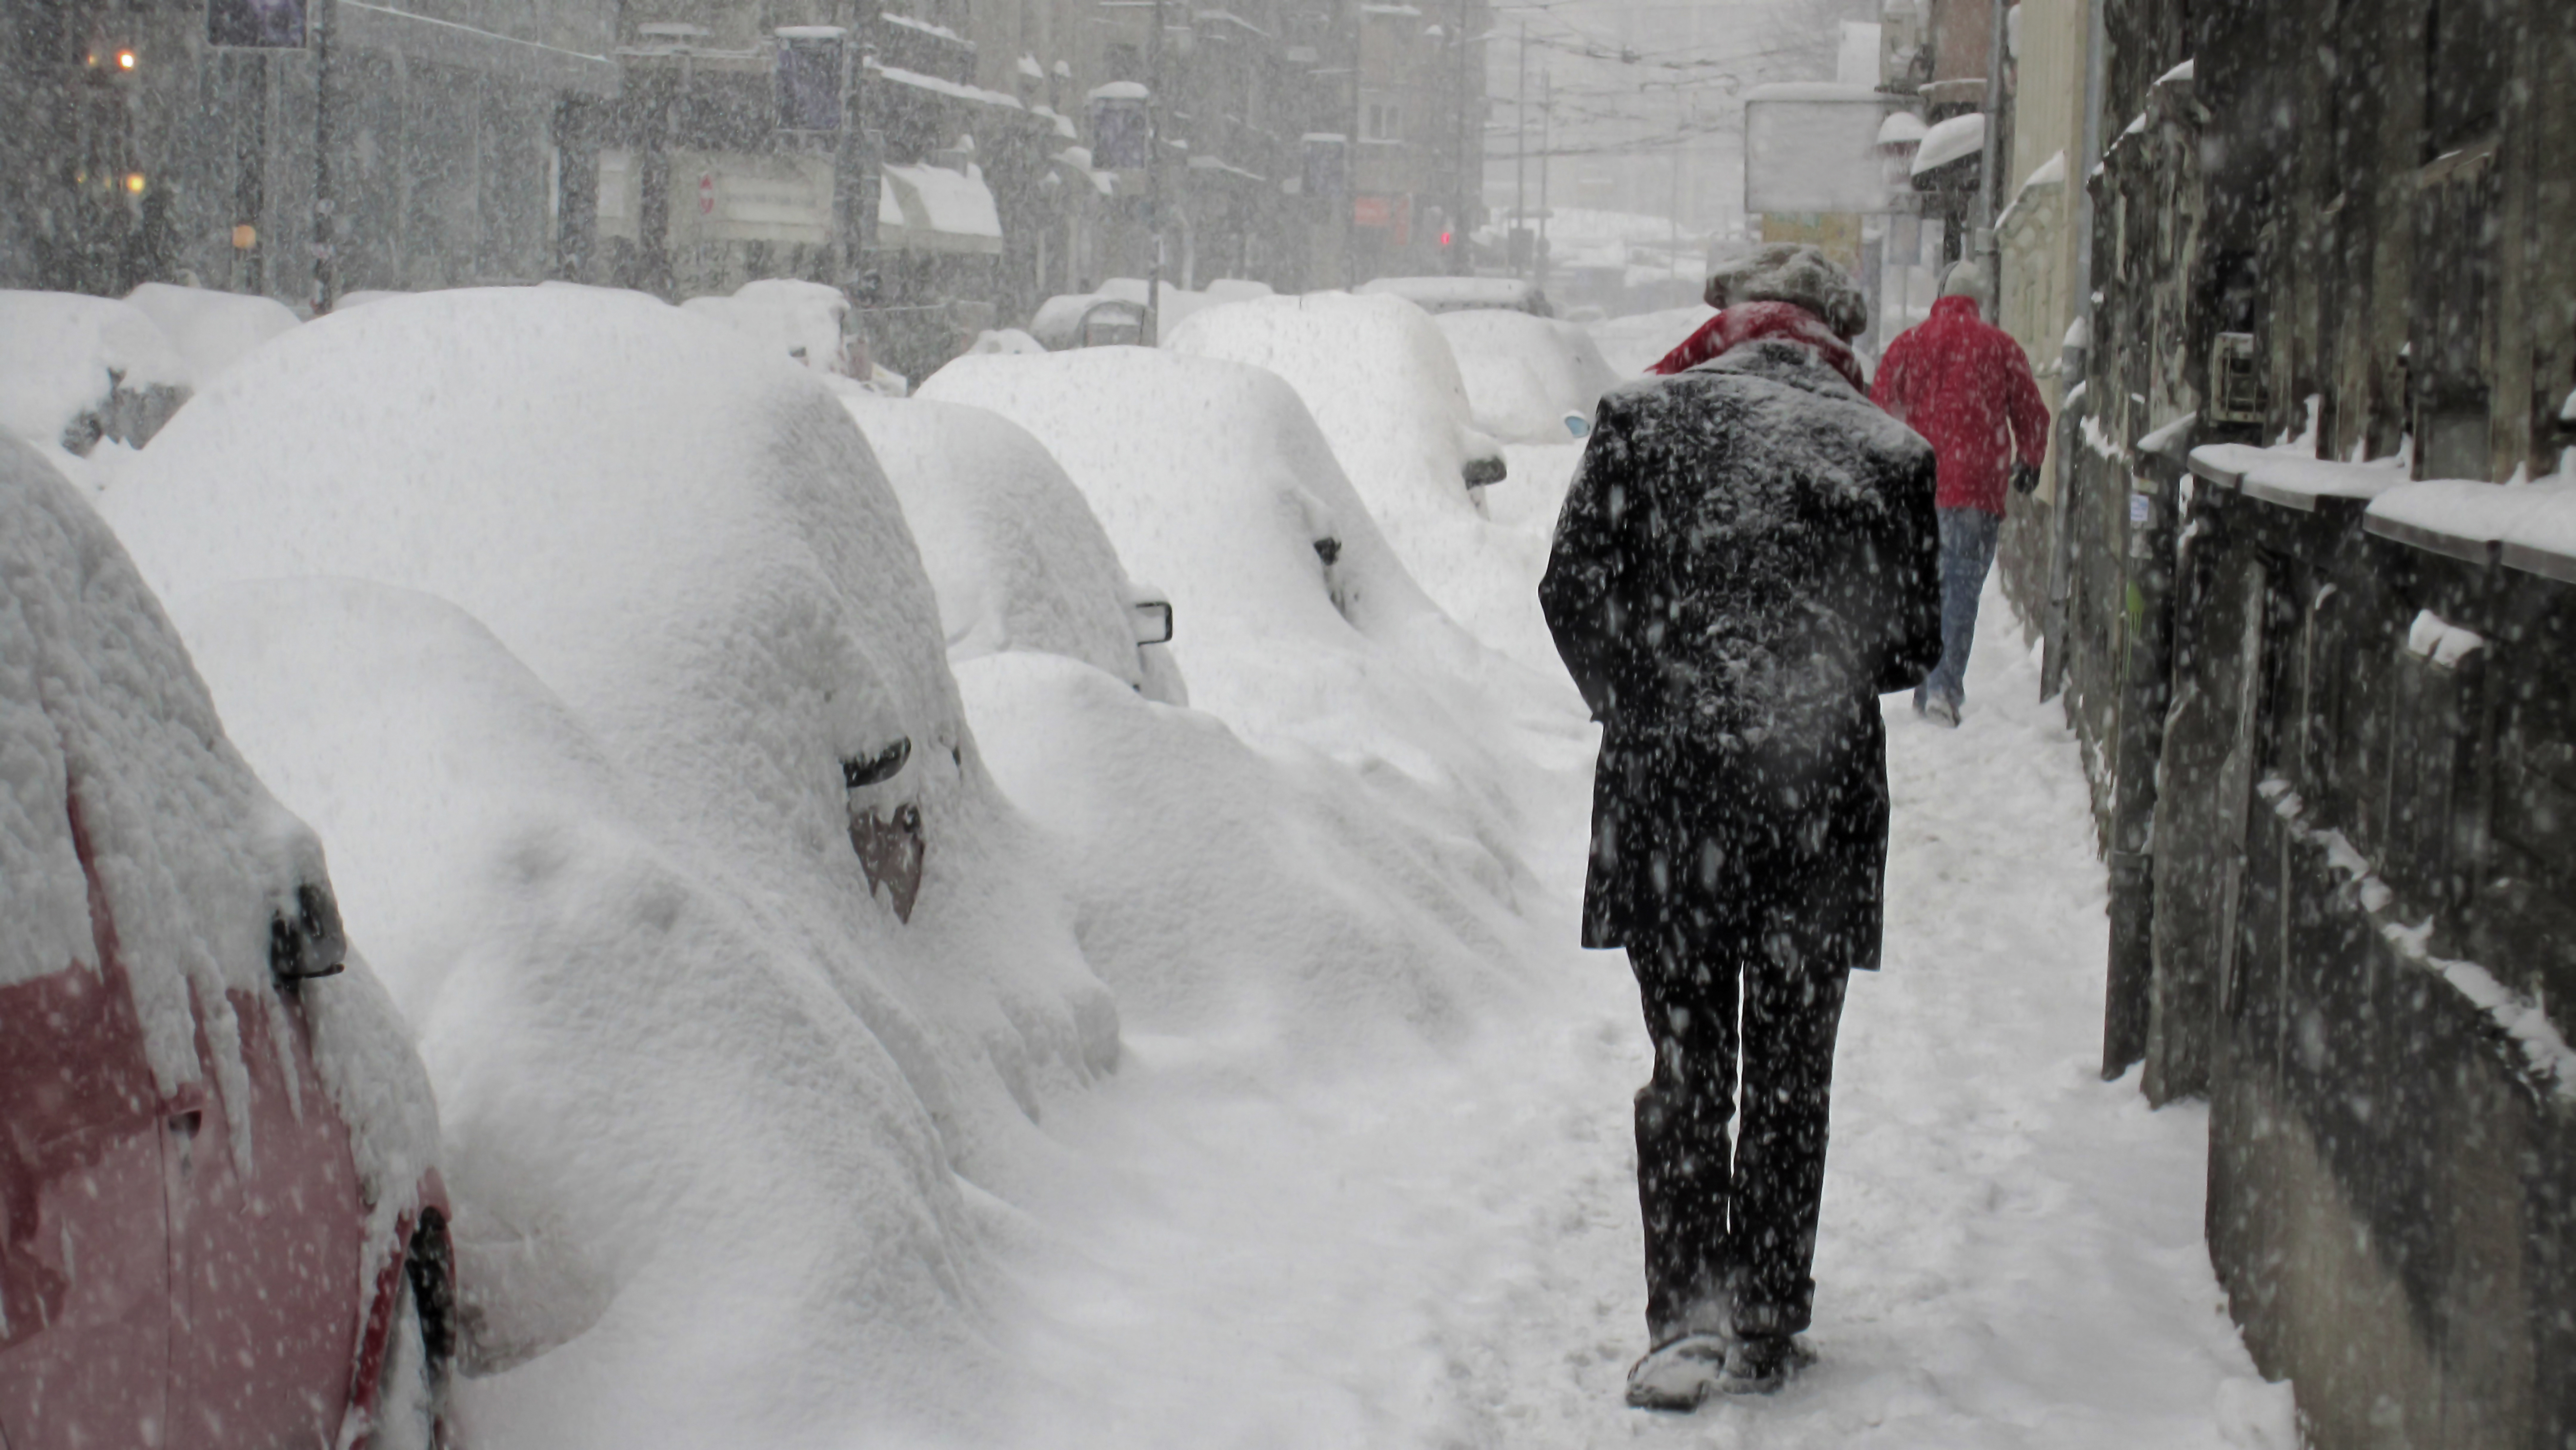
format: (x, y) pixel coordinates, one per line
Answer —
(1746, 560)
(1966, 387)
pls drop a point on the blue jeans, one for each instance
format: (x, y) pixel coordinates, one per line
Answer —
(1967, 552)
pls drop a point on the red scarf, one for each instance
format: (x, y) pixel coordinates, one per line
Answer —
(1752, 321)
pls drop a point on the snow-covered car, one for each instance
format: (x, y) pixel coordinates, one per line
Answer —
(1380, 380)
(75, 370)
(1383, 385)
(212, 330)
(1114, 315)
(1014, 554)
(1461, 294)
(1282, 580)
(1277, 855)
(811, 322)
(220, 1222)
(592, 637)
(1087, 319)
(1529, 379)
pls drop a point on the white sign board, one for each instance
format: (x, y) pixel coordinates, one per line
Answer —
(719, 196)
(1814, 148)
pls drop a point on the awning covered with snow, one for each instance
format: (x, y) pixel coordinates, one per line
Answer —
(934, 209)
(1955, 139)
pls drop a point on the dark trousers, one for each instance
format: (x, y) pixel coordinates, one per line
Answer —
(1731, 1237)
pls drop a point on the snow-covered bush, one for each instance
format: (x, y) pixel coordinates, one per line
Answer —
(569, 618)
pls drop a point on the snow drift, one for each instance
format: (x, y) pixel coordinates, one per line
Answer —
(565, 614)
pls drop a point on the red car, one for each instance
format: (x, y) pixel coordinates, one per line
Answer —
(191, 1250)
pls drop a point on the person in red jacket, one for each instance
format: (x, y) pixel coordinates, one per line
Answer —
(1966, 387)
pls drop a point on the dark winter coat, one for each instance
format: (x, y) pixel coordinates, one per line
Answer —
(1747, 559)
(1966, 387)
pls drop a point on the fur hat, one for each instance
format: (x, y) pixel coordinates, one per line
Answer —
(1793, 272)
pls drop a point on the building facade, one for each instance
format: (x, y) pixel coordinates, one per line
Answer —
(948, 165)
(395, 147)
(2308, 584)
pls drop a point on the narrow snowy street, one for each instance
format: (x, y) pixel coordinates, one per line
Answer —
(1443, 1250)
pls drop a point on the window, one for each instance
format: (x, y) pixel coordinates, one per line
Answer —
(1382, 121)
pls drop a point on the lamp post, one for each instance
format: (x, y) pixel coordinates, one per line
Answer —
(326, 280)
(1154, 181)
(1520, 155)
(1989, 191)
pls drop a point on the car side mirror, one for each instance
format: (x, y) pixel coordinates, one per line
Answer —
(1153, 618)
(882, 766)
(1486, 470)
(308, 942)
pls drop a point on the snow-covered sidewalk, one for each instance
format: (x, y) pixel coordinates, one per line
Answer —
(1442, 1249)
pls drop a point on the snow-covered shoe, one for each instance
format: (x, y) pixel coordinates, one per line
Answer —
(1759, 1364)
(1679, 1375)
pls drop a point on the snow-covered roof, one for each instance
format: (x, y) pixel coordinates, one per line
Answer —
(811, 32)
(1955, 139)
(975, 94)
(2051, 172)
(2529, 526)
(1901, 128)
(933, 209)
(1120, 91)
(924, 27)
(1028, 66)
(2291, 476)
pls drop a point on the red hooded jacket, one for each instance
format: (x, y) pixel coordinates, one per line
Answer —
(1750, 321)
(1967, 389)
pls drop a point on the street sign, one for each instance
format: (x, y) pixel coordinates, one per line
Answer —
(809, 77)
(1811, 147)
